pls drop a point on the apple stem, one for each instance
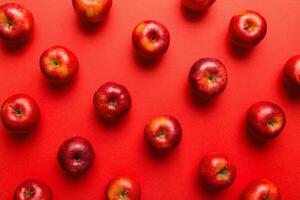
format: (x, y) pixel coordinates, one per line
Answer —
(18, 111)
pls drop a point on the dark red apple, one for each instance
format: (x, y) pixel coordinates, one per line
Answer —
(163, 132)
(208, 78)
(92, 10)
(16, 23)
(265, 120)
(217, 171)
(76, 155)
(123, 188)
(150, 39)
(198, 5)
(20, 113)
(33, 190)
(112, 101)
(291, 72)
(59, 64)
(247, 28)
(261, 189)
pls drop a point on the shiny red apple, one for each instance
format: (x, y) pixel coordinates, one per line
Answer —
(265, 120)
(16, 23)
(150, 39)
(33, 189)
(291, 72)
(247, 28)
(217, 171)
(261, 189)
(59, 64)
(198, 5)
(123, 188)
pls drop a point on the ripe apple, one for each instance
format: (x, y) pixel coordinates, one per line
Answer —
(150, 39)
(291, 72)
(208, 78)
(59, 64)
(16, 23)
(163, 132)
(198, 5)
(217, 170)
(261, 189)
(123, 188)
(247, 28)
(33, 189)
(112, 101)
(20, 113)
(265, 120)
(92, 10)
(76, 155)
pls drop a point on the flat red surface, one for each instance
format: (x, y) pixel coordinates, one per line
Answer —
(105, 54)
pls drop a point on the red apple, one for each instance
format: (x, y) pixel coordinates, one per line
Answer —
(261, 189)
(217, 171)
(265, 120)
(33, 190)
(76, 155)
(123, 188)
(16, 23)
(20, 113)
(112, 101)
(198, 5)
(150, 39)
(247, 28)
(291, 72)
(92, 10)
(163, 132)
(59, 64)
(208, 78)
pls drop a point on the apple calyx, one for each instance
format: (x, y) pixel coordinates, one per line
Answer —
(28, 193)
(161, 133)
(113, 102)
(222, 173)
(123, 194)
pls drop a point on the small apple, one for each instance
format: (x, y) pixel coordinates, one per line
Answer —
(291, 72)
(16, 23)
(112, 101)
(33, 189)
(217, 171)
(198, 5)
(261, 189)
(92, 10)
(76, 155)
(265, 120)
(150, 39)
(123, 188)
(20, 113)
(59, 64)
(208, 78)
(163, 132)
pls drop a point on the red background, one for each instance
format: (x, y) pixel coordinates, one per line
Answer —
(105, 54)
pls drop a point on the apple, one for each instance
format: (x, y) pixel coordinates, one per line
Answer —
(150, 39)
(16, 23)
(33, 189)
(76, 155)
(92, 10)
(59, 64)
(112, 101)
(20, 113)
(265, 120)
(123, 188)
(217, 171)
(261, 189)
(291, 72)
(163, 132)
(208, 78)
(198, 5)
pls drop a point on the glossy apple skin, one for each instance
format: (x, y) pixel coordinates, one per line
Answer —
(59, 64)
(261, 189)
(150, 39)
(247, 29)
(208, 78)
(265, 120)
(16, 23)
(217, 171)
(123, 188)
(163, 133)
(198, 5)
(291, 72)
(20, 113)
(112, 101)
(33, 189)
(92, 10)
(76, 155)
